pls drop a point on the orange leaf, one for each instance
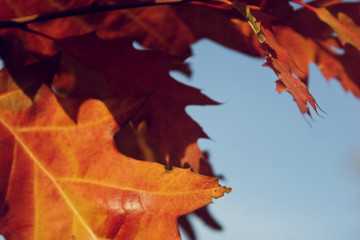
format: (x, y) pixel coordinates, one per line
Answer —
(307, 39)
(332, 64)
(61, 180)
(347, 30)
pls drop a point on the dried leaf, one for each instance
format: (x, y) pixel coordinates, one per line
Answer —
(279, 60)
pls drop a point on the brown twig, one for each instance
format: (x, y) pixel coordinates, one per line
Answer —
(21, 22)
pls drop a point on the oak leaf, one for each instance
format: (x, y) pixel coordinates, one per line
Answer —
(346, 29)
(66, 180)
(277, 57)
(308, 39)
(174, 28)
(128, 72)
(107, 67)
(102, 69)
(281, 62)
(169, 28)
(302, 37)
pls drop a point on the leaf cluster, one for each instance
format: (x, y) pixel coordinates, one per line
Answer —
(95, 142)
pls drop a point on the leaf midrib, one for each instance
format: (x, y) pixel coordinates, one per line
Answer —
(48, 174)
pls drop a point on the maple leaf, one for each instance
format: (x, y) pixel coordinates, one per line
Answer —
(69, 179)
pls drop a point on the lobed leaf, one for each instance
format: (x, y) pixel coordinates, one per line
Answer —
(66, 180)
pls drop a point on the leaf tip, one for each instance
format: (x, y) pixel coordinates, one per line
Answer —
(220, 191)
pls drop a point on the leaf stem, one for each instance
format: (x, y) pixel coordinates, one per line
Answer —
(304, 5)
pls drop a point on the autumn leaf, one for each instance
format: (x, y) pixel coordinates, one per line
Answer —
(181, 148)
(169, 28)
(297, 39)
(174, 28)
(307, 40)
(278, 59)
(345, 28)
(83, 50)
(66, 180)
(129, 72)
(323, 53)
(102, 69)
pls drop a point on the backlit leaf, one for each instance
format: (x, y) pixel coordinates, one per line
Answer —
(66, 180)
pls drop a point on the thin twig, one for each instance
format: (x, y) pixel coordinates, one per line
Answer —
(94, 8)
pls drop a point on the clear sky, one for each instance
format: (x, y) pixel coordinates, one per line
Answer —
(292, 178)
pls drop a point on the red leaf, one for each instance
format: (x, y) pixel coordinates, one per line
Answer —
(280, 61)
(129, 72)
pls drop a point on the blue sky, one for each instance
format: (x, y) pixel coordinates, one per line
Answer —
(292, 178)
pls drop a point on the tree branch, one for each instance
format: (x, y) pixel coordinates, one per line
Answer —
(94, 8)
